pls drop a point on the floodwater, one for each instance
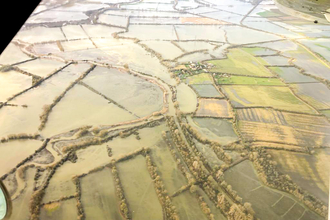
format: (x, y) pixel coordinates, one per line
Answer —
(101, 194)
(36, 99)
(187, 98)
(12, 54)
(120, 83)
(166, 49)
(80, 107)
(41, 67)
(139, 189)
(17, 81)
(15, 151)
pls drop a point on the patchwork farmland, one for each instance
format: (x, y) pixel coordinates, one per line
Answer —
(185, 109)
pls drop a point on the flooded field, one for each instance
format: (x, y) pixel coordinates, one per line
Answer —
(220, 130)
(187, 98)
(163, 109)
(100, 194)
(17, 81)
(139, 188)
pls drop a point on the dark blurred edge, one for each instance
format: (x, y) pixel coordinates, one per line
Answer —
(13, 15)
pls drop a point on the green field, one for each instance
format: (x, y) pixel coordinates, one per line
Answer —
(240, 62)
(203, 78)
(246, 80)
(266, 96)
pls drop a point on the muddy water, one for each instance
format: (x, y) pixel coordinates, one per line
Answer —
(35, 99)
(187, 98)
(74, 32)
(41, 67)
(13, 152)
(220, 130)
(77, 45)
(99, 197)
(200, 32)
(12, 54)
(195, 45)
(149, 138)
(21, 204)
(188, 207)
(40, 34)
(113, 20)
(100, 31)
(57, 16)
(44, 49)
(139, 189)
(80, 107)
(17, 82)
(121, 52)
(61, 183)
(149, 6)
(195, 57)
(172, 177)
(166, 49)
(241, 35)
(140, 97)
(151, 32)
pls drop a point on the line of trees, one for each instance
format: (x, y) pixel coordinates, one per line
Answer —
(80, 209)
(19, 136)
(234, 211)
(180, 165)
(207, 181)
(162, 193)
(123, 205)
(205, 208)
(194, 162)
